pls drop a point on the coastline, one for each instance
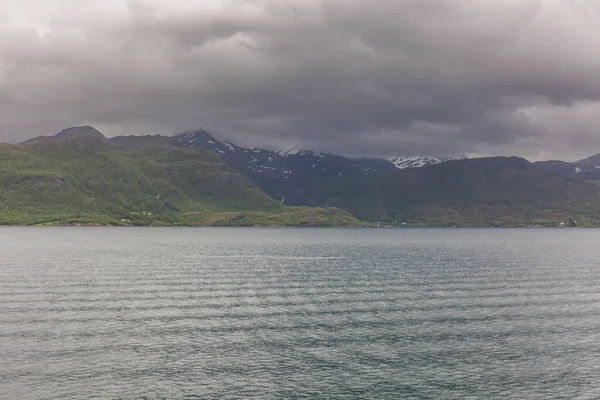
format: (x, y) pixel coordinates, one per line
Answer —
(362, 225)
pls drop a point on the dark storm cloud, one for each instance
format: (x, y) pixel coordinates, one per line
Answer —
(377, 77)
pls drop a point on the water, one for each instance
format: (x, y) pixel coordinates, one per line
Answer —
(299, 313)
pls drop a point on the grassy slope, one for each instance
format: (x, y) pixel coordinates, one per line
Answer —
(506, 191)
(83, 179)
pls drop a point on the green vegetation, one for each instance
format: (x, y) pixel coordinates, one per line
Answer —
(79, 177)
(82, 179)
(480, 192)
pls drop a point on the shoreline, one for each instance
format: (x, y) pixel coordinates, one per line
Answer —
(395, 227)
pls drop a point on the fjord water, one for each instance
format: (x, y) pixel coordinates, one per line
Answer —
(299, 313)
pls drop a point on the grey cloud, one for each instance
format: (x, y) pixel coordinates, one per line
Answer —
(377, 77)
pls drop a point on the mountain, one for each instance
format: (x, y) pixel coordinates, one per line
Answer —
(587, 169)
(79, 130)
(70, 132)
(560, 167)
(498, 190)
(420, 162)
(416, 190)
(78, 176)
(282, 175)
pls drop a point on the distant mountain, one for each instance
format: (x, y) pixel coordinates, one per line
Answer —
(192, 178)
(484, 191)
(559, 167)
(80, 177)
(79, 130)
(446, 191)
(70, 132)
(587, 169)
(282, 174)
(287, 163)
(419, 162)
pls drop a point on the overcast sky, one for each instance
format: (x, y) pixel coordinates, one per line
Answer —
(357, 77)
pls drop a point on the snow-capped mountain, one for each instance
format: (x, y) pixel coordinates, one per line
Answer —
(292, 161)
(560, 167)
(587, 169)
(419, 162)
(282, 174)
(286, 164)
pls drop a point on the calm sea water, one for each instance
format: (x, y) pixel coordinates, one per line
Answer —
(299, 313)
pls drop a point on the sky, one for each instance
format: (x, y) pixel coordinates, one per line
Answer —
(355, 77)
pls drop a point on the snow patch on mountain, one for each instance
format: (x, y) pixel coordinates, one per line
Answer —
(230, 146)
(289, 152)
(419, 162)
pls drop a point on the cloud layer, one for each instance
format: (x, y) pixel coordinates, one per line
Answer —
(376, 77)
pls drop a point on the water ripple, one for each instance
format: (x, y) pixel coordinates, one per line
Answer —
(283, 313)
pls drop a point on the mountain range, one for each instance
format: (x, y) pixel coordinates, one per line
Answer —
(80, 177)
(256, 162)
(195, 179)
(286, 174)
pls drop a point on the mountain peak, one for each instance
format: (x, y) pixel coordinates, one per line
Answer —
(589, 161)
(69, 133)
(200, 135)
(79, 130)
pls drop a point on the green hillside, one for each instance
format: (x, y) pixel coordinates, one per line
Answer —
(503, 191)
(79, 177)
